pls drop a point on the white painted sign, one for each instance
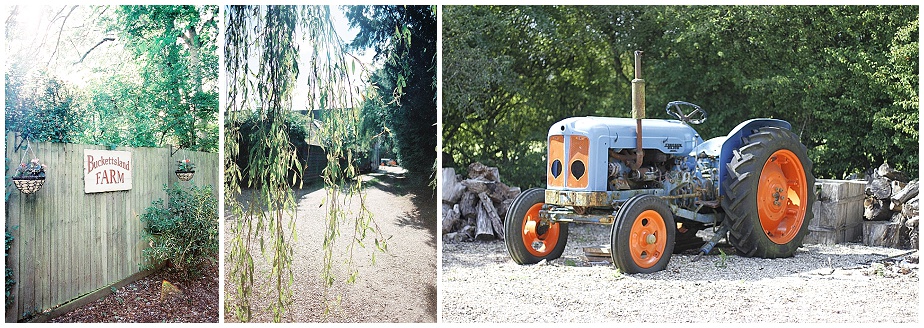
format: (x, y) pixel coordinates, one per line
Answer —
(106, 170)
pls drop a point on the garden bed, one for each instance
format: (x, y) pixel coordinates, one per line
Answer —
(140, 301)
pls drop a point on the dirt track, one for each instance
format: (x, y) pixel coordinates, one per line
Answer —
(819, 284)
(399, 287)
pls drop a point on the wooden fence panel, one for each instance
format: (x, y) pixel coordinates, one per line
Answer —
(69, 243)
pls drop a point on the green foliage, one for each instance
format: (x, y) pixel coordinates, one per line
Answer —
(404, 38)
(831, 71)
(178, 47)
(723, 259)
(10, 279)
(298, 131)
(185, 165)
(154, 84)
(185, 231)
(42, 108)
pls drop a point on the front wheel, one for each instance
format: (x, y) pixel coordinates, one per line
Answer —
(769, 194)
(643, 235)
(528, 237)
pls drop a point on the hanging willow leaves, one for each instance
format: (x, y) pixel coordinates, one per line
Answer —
(269, 34)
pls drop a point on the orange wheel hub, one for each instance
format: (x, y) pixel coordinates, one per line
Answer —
(539, 238)
(647, 239)
(781, 196)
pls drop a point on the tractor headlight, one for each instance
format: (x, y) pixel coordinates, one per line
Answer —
(577, 162)
(556, 176)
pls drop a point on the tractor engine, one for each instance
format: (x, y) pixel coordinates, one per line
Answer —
(599, 154)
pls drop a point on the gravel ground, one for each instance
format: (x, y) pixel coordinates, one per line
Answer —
(399, 287)
(842, 283)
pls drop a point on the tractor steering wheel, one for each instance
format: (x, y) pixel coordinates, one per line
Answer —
(696, 116)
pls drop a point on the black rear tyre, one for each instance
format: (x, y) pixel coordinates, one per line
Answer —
(769, 194)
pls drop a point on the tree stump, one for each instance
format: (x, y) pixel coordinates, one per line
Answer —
(881, 233)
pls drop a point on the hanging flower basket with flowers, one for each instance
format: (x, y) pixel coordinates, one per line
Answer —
(185, 169)
(30, 176)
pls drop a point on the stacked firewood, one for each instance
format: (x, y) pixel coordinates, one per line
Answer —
(475, 207)
(891, 209)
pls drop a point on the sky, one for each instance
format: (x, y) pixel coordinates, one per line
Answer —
(342, 27)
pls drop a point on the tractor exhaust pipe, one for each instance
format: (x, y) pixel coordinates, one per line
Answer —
(638, 108)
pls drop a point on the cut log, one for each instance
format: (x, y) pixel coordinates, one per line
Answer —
(876, 209)
(910, 208)
(452, 189)
(468, 230)
(513, 192)
(879, 188)
(446, 223)
(499, 193)
(477, 186)
(503, 208)
(881, 233)
(451, 218)
(491, 212)
(909, 191)
(480, 171)
(468, 205)
(886, 171)
(483, 228)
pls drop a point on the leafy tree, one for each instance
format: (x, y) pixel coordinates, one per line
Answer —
(129, 75)
(179, 48)
(829, 70)
(46, 110)
(404, 39)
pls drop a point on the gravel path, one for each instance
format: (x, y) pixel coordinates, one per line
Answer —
(399, 287)
(819, 284)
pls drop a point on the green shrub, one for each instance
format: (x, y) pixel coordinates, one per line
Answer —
(10, 280)
(185, 232)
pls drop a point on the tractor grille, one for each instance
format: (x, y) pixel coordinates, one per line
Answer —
(567, 165)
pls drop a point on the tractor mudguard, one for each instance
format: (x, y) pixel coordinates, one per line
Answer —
(734, 141)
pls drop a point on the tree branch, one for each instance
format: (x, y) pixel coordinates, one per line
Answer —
(108, 38)
(61, 30)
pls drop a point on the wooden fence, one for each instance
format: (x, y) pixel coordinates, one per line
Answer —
(68, 243)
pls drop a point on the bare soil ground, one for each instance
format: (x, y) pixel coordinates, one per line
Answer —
(841, 283)
(399, 287)
(141, 301)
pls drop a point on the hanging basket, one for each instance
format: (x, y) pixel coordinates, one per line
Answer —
(29, 185)
(185, 175)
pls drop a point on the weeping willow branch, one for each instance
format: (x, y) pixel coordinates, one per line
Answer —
(266, 93)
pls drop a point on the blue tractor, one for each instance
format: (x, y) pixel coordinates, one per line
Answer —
(657, 182)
